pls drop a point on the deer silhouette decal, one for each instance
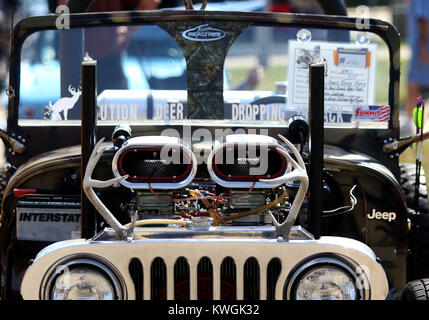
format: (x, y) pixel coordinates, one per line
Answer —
(64, 104)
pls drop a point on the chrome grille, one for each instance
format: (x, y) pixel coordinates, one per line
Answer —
(205, 280)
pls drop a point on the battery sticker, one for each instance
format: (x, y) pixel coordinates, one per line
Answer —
(371, 113)
(47, 224)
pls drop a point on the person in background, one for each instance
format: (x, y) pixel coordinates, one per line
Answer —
(418, 74)
(106, 47)
(106, 44)
(254, 78)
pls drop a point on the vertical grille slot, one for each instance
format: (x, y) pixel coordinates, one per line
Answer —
(228, 278)
(158, 278)
(273, 272)
(205, 279)
(136, 272)
(181, 279)
(251, 279)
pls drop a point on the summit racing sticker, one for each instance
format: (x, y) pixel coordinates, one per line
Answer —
(371, 113)
(203, 33)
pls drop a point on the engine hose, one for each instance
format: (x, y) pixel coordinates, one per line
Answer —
(141, 223)
(280, 199)
(196, 193)
(213, 212)
(206, 203)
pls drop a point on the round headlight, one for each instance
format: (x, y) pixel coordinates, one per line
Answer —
(324, 279)
(82, 283)
(83, 280)
(326, 283)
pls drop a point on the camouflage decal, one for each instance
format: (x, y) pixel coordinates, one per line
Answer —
(205, 46)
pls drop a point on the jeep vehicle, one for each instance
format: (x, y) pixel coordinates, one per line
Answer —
(153, 179)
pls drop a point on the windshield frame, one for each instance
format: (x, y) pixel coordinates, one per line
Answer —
(386, 31)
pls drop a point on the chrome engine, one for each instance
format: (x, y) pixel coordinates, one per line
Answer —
(240, 183)
(168, 185)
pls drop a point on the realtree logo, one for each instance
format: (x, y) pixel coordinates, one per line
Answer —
(203, 33)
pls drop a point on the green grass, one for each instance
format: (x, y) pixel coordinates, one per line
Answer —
(409, 155)
(271, 75)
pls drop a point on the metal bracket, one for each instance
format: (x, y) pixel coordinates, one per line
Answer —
(14, 141)
(10, 92)
(394, 147)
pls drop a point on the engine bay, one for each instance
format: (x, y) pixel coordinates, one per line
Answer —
(220, 182)
(168, 183)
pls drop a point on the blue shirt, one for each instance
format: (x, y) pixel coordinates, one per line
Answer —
(419, 72)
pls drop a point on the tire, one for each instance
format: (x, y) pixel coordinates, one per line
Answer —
(416, 290)
(407, 180)
(418, 262)
(419, 234)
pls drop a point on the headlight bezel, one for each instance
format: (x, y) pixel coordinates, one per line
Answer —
(348, 267)
(92, 262)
